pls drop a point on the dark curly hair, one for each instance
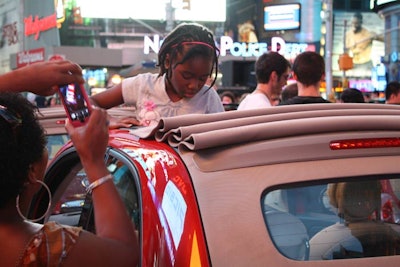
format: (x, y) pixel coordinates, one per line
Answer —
(22, 143)
(202, 44)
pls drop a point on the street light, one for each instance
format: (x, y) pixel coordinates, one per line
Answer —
(329, 43)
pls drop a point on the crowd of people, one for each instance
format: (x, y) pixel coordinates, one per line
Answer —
(187, 59)
(307, 72)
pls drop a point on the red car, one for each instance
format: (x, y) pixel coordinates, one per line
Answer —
(301, 185)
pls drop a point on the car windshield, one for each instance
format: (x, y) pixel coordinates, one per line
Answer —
(336, 220)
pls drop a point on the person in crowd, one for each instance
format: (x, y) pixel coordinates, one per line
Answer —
(272, 72)
(227, 97)
(392, 93)
(228, 100)
(352, 95)
(359, 232)
(52, 101)
(289, 91)
(359, 42)
(23, 164)
(40, 101)
(308, 70)
(187, 58)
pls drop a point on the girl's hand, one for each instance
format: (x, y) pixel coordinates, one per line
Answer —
(123, 122)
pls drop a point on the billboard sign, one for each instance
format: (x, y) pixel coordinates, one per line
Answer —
(361, 36)
(282, 17)
(199, 10)
(31, 56)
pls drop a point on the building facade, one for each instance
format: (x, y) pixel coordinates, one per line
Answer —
(37, 30)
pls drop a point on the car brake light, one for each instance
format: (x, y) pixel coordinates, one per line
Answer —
(365, 143)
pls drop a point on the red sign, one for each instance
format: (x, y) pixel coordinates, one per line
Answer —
(56, 57)
(28, 57)
(35, 26)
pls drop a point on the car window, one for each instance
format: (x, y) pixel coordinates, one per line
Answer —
(73, 206)
(55, 142)
(336, 220)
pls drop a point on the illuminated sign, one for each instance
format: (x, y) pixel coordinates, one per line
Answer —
(37, 25)
(158, 10)
(380, 4)
(28, 57)
(60, 10)
(282, 17)
(237, 49)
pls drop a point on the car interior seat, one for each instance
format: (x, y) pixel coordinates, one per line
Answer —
(288, 233)
(359, 231)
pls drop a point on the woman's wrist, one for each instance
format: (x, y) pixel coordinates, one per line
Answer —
(95, 171)
(98, 182)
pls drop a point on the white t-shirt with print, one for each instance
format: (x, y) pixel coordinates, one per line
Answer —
(146, 92)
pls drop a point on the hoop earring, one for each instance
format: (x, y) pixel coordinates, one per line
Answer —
(48, 207)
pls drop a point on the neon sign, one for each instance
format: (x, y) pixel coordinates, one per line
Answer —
(36, 25)
(227, 44)
(237, 49)
(28, 57)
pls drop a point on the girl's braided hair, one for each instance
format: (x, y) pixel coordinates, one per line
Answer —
(198, 36)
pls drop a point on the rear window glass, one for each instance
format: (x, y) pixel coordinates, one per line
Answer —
(354, 219)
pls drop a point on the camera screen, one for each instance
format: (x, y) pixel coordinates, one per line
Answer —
(75, 102)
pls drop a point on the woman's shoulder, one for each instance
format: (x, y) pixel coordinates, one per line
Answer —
(50, 244)
(54, 228)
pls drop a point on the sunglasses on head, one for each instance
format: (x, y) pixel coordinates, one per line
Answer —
(10, 117)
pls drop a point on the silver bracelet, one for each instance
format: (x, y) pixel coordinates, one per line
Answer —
(98, 182)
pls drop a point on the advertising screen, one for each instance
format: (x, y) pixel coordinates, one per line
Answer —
(361, 34)
(193, 10)
(282, 17)
(380, 4)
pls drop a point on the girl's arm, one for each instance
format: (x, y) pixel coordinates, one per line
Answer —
(109, 98)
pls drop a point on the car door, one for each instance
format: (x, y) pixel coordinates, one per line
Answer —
(155, 187)
(72, 205)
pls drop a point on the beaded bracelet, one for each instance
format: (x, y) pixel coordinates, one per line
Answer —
(98, 182)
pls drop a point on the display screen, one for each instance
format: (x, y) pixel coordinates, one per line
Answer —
(193, 10)
(76, 104)
(380, 4)
(282, 17)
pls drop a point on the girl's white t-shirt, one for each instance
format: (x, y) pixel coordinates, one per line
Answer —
(146, 92)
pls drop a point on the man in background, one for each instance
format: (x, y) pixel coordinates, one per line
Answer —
(392, 93)
(289, 91)
(352, 95)
(308, 70)
(272, 73)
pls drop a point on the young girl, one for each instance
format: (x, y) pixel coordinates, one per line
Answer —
(187, 58)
